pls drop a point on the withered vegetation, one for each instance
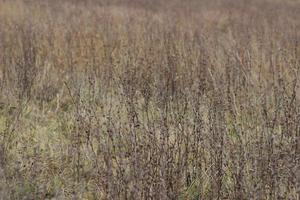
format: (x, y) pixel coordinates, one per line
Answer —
(161, 99)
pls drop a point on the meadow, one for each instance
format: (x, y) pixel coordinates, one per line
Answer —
(150, 100)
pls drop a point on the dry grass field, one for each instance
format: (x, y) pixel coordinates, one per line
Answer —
(150, 100)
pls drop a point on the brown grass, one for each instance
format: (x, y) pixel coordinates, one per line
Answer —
(149, 99)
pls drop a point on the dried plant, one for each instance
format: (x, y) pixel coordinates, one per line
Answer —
(149, 99)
